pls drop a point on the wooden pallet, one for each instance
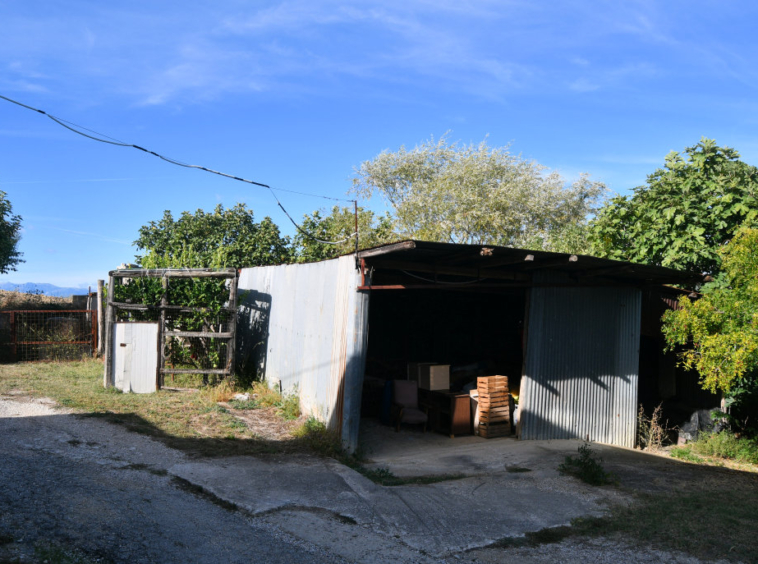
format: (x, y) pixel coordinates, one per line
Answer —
(494, 406)
(490, 431)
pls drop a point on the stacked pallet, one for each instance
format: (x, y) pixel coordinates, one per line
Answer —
(494, 406)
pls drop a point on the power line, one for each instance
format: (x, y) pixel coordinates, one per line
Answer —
(96, 136)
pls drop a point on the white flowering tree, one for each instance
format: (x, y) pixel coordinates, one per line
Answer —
(477, 194)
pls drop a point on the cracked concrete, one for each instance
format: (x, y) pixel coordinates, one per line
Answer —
(331, 507)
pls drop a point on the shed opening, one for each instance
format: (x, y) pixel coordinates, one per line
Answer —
(475, 333)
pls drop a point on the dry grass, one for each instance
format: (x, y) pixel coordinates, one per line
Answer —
(198, 421)
(18, 300)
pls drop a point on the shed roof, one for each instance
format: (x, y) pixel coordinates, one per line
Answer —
(501, 265)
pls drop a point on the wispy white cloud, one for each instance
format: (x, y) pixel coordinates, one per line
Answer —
(88, 234)
(487, 49)
(583, 85)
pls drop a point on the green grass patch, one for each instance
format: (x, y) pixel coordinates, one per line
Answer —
(685, 454)
(188, 420)
(708, 524)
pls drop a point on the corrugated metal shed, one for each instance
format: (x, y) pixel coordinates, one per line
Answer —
(581, 366)
(305, 327)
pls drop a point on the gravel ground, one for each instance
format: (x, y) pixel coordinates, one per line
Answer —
(62, 492)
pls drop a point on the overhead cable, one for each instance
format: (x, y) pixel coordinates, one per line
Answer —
(111, 141)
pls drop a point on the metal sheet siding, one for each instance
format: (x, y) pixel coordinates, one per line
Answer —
(310, 322)
(135, 357)
(581, 366)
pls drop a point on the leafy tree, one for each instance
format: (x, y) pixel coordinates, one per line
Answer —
(10, 228)
(225, 237)
(720, 330)
(685, 212)
(476, 194)
(339, 225)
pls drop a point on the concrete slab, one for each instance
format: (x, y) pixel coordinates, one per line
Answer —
(331, 505)
(435, 519)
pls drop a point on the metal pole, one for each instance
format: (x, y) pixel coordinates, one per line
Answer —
(355, 204)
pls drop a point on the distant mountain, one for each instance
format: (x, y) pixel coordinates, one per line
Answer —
(47, 289)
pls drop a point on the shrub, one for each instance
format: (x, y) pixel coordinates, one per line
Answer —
(726, 445)
(651, 431)
(588, 467)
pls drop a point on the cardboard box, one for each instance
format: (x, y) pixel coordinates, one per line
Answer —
(434, 376)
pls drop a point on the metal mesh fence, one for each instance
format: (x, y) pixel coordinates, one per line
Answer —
(30, 335)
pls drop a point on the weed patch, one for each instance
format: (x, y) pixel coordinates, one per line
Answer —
(726, 445)
(652, 432)
(588, 467)
(261, 397)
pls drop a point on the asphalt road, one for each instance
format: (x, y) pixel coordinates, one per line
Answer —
(89, 508)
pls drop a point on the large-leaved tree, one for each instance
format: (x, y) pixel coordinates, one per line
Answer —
(719, 332)
(684, 213)
(477, 194)
(10, 233)
(223, 237)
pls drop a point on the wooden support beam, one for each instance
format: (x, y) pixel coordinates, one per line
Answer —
(206, 334)
(159, 380)
(150, 307)
(404, 246)
(194, 371)
(100, 316)
(168, 273)
(232, 345)
(110, 315)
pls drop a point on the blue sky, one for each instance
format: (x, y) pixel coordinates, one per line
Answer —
(296, 94)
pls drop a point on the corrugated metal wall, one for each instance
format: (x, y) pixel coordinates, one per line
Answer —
(581, 367)
(305, 326)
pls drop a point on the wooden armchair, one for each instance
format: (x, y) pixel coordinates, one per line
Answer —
(405, 404)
